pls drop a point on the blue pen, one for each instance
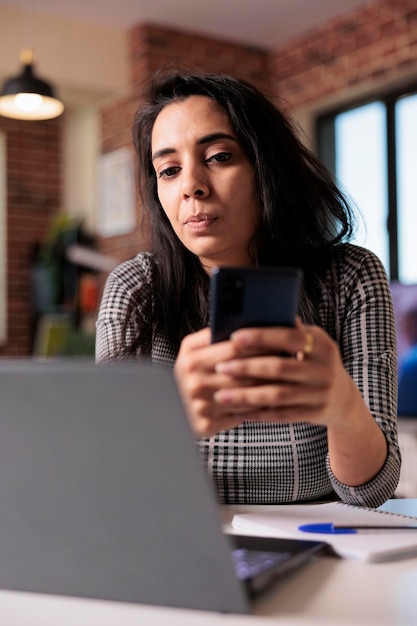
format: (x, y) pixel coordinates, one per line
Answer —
(337, 529)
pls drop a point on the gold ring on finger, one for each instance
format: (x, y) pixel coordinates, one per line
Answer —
(308, 348)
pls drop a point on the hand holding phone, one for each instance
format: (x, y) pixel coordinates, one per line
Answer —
(244, 297)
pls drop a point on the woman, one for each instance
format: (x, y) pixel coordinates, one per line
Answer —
(225, 181)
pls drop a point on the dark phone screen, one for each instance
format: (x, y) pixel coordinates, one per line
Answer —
(251, 297)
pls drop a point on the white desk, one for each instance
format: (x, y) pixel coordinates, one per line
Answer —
(327, 592)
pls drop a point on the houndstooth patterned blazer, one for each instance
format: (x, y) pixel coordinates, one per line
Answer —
(268, 463)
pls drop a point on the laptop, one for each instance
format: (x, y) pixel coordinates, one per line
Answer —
(103, 494)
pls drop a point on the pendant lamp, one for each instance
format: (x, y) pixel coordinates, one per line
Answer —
(27, 97)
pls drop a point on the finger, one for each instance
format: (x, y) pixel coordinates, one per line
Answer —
(277, 395)
(287, 340)
(209, 418)
(196, 356)
(207, 427)
(272, 368)
(265, 367)
(201, 387)
(198, 339)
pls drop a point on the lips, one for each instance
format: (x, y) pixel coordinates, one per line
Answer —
(200, 222)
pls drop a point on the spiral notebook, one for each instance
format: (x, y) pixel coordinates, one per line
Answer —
(374, 546)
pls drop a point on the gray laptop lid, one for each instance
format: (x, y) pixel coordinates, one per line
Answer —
(93, 500)
(102, 491)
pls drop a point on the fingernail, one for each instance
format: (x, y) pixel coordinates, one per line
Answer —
(222, 396)
(226, 367)
(242, 337)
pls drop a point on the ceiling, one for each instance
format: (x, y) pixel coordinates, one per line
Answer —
(265, 23)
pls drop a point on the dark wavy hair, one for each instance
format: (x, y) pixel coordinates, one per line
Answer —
(303, 215)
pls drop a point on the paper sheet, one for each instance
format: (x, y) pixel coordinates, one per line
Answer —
(373, 546)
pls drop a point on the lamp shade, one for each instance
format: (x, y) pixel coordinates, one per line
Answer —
(27, 97)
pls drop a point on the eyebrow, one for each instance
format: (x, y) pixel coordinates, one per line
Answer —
(203, 140)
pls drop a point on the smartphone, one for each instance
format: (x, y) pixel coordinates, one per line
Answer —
(243, 297)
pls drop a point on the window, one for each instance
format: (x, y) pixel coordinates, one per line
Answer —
(406, 151)
(371, 149)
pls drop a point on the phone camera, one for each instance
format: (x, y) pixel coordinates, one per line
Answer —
(232, 296)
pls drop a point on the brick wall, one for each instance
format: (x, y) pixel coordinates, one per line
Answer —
(152, 47)
(365, 49)
(34, 187)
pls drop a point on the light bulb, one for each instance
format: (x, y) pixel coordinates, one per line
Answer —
(28, 102)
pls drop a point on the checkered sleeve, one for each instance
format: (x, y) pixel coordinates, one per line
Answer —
(366, 336)
(122, 286)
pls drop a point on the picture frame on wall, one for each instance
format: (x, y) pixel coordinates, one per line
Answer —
(116, 198)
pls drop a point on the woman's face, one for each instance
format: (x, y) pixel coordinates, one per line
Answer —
(206, 184)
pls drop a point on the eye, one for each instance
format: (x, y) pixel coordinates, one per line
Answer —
(220, 157)
(169, 172)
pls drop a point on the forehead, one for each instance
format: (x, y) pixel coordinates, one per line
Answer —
(191, 118)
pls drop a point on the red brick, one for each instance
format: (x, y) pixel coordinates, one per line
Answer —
(34, 181)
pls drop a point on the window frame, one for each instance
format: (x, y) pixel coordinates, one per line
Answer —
(326, 149)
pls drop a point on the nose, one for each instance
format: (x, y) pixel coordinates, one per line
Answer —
(194, 184)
